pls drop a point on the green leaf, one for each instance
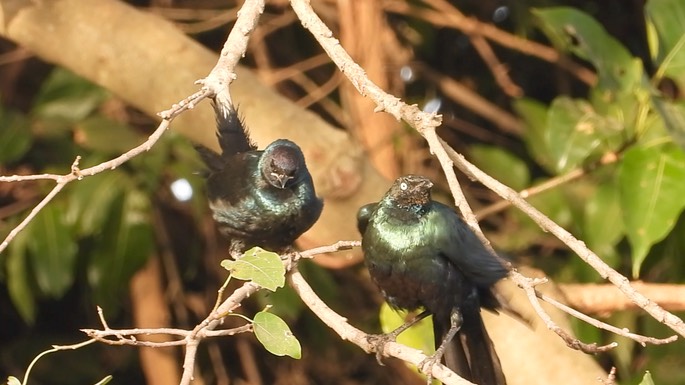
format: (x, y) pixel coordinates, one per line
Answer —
(419, 336)
(652, 190)
(104, 135)
(574, 31)
(647, 379)
(127, 242)
(284, 302)
(15, 135)
(67, 97)
(602, 222)
(52, 251)
(673, 115)
(275, 335)
(259, 266)
(19, 278)
(575, 131)
(91, 201)
(667, 17)
(535, 115)
(501, 165)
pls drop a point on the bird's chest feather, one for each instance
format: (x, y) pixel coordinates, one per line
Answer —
(406, 266)
(261, 211)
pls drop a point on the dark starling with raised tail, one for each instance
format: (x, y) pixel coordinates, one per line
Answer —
(258, 198)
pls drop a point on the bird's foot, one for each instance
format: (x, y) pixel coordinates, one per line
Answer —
(378, 341)
(289, 255)
(426, 366)
(236, 249)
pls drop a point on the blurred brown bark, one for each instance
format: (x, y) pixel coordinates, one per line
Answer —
(606, 298)
(363, 33)
(150, 310)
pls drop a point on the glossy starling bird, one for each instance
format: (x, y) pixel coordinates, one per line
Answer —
(258, 198)
(421, 254)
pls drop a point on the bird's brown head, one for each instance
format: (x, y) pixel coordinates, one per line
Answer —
(281, 163)
(410, 190)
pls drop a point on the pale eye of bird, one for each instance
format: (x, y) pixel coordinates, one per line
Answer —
(403, 186)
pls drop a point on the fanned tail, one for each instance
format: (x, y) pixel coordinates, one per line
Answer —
(232, 134)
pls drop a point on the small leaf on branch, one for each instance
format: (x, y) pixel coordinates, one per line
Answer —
(275, 335)
(259, 266)
(651, 187)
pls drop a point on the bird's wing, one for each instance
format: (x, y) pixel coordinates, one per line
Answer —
(462, 247)
(364, 215)
(213, 160)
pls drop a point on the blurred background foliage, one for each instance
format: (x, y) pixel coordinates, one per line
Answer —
(604, 124)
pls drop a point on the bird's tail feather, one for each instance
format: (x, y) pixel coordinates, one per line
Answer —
(231, 132)
(454, 356)
(471, 353)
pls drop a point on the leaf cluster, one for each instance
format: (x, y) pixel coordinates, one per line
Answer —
(624, 138)
(95, 235)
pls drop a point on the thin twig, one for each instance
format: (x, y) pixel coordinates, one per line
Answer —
(528, 286)
(55, 348)
(338, 246)
(55, 190)
(531, 191)
(281, 74)
(497, 68)
(127, 336)
(642, 340)
(549, 184)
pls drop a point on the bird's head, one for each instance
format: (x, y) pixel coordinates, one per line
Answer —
(410, 190)
(281, 162)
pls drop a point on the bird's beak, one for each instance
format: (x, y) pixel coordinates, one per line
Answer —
(427, 184)
(281, 178)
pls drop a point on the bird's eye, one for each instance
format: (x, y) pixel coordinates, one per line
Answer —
(403, 186)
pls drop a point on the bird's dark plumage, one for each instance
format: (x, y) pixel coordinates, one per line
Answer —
(258, 198)
(421, 254)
